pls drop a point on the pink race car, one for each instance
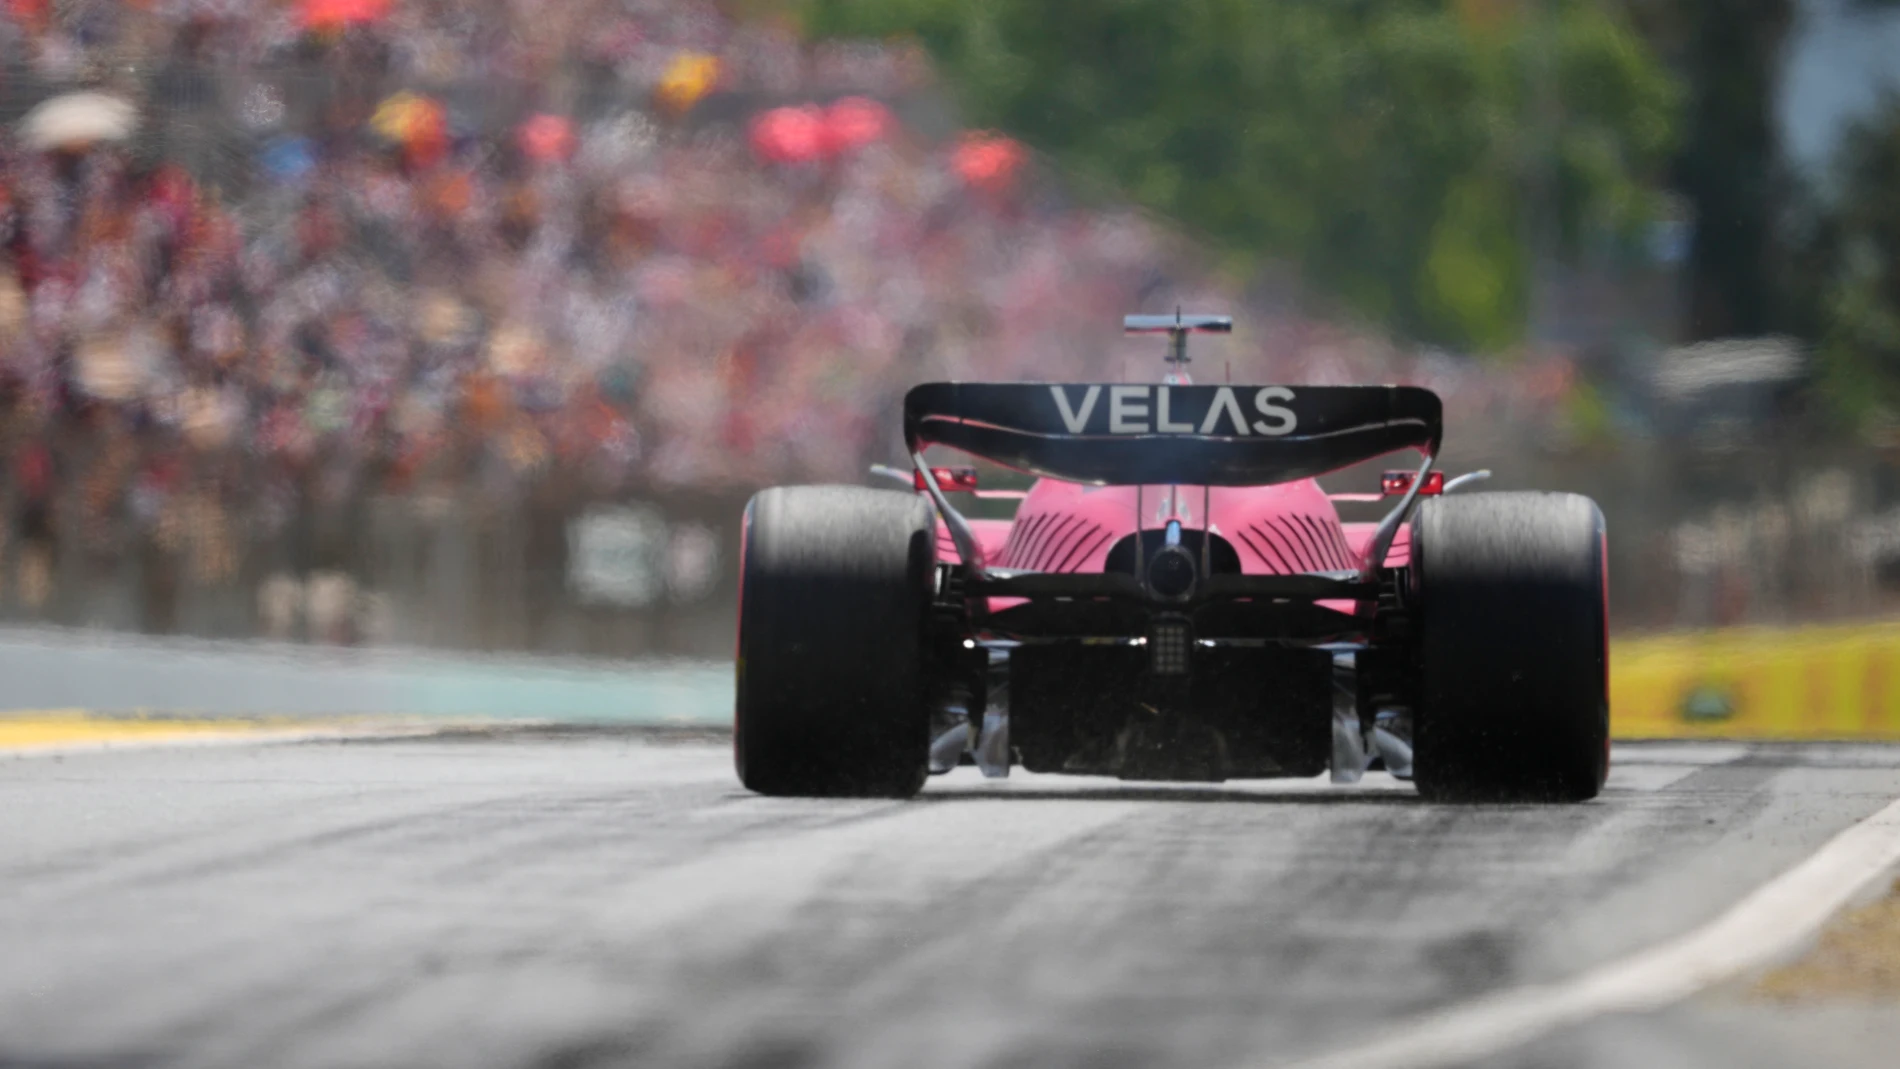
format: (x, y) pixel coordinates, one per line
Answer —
(1175, 599)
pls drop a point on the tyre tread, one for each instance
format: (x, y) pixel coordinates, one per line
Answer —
(1513, 702)
(833, 609)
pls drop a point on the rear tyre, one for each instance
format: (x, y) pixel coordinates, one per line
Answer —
(834, 605)
(1513, 700)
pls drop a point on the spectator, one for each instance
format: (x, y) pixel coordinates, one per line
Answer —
(422, 288)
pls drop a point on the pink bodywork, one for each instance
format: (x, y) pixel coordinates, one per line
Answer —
(1277, 530)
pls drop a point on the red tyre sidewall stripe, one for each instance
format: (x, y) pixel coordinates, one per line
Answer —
(738, 636)
(1603, 586)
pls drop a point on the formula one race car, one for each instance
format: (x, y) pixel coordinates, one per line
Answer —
(1175, 599)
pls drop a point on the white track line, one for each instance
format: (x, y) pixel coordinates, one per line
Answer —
(1769, 923)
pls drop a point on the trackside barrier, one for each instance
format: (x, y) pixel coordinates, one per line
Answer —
(1817, 682)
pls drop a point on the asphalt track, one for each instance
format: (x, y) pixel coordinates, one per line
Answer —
(606, 897)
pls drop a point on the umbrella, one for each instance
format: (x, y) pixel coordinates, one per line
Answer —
(790, 135)
(335, 14)
(688, 77)
(417, 123)
(546, 138)
(988, 161)
(855, 122)
(288, 159)
(78, 119)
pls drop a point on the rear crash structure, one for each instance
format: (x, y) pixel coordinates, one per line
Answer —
(1176, 599)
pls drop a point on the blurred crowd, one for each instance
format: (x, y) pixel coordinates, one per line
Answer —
(590, 291)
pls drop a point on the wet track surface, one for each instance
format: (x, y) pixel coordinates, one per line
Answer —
(601, 897)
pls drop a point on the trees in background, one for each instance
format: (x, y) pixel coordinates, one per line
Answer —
(1817, 258)
(1859, 291)
(1412, 158)
(1729, 166)
(1407, 157)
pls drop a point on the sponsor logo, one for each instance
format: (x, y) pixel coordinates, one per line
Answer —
(1177, 410)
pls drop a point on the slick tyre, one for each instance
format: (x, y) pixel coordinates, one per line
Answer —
(834, 605)
(1513, 701)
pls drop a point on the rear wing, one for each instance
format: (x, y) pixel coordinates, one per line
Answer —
(1125, 433)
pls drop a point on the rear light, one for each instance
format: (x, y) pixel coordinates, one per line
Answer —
(1396, 483)
(949, 478)
(1169, 641)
